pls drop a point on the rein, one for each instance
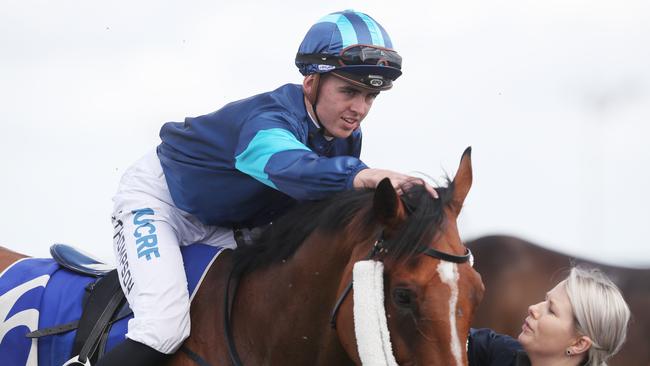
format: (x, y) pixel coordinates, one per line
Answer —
(376, 248)
(232, 350)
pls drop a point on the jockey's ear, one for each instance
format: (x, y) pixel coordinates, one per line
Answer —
(310, 87)
(388, 207)
(462, 181)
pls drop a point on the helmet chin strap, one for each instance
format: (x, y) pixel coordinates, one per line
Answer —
(312, 97)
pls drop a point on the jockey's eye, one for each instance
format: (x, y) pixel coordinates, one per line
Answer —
(403, 297)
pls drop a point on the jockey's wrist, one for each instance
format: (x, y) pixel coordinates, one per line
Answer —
(361, 179)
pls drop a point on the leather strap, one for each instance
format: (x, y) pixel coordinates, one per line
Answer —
(53, 330)
(228, 301)
(194, 356)
(103, 302)
(100, 327)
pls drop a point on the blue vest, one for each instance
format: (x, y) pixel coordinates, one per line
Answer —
(251, 160)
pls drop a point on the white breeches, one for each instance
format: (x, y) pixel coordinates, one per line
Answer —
(149, 231)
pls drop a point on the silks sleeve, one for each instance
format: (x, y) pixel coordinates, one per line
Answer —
(270, 150)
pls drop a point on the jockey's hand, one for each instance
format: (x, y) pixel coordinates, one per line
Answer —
(370, 178)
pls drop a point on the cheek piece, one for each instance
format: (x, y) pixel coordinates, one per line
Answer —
(370, 325)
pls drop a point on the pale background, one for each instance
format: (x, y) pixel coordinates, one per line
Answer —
(553, 96)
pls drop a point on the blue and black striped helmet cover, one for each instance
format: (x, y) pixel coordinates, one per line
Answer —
(337, 31)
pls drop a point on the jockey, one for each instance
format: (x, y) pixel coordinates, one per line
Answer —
(241, 167)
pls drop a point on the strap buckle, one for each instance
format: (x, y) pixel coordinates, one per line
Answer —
(74, 361)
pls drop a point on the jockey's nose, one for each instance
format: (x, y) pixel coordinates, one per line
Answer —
(360, 105)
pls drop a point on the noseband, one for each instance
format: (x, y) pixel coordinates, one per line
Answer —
(379, 247)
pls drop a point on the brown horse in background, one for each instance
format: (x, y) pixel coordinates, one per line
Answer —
(297, 273)
(517, 273)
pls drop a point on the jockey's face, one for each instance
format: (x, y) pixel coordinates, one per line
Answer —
(341, 106)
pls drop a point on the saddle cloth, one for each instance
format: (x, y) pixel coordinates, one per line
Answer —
(38, 293)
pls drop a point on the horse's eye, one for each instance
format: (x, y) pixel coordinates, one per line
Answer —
(403, 297)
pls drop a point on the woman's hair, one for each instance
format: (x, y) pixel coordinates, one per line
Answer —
(600, 312)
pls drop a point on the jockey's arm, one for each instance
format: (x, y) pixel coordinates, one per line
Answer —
(276, 157)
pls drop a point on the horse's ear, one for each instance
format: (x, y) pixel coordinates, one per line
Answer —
(462, 180)
(387, 204)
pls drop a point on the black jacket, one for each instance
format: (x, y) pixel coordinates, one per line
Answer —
(488, 348)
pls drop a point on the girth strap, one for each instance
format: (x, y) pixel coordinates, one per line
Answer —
(66, 327)
(105, 297)
(57, 329)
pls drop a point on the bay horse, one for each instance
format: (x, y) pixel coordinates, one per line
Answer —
(517, 273)
(294, 306)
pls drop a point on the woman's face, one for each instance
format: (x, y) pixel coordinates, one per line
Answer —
(549, 328)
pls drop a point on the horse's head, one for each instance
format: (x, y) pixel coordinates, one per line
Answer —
(431, 290)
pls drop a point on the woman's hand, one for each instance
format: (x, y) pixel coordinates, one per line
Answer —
(369, 178)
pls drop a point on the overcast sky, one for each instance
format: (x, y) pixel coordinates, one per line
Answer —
(553, 96)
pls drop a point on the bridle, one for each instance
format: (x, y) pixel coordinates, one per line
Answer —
(376, 250)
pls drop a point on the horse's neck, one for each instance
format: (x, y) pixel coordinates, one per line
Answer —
(286, 306)
(8, 257)
(280, 312)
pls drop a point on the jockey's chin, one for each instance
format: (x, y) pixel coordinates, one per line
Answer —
(342, 131)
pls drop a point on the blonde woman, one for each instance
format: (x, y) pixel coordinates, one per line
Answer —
(581, 321)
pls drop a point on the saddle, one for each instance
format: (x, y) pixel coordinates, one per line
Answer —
(104, 304)
(79, 261)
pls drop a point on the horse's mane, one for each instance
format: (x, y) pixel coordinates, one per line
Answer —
(281, 239)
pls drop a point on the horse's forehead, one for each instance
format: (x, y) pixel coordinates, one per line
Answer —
(421, 268)
(431, 273)
(449, 226)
